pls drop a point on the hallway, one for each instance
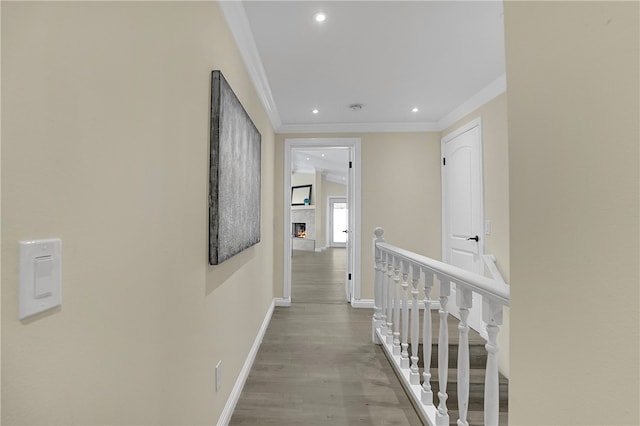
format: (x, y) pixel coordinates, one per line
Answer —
(316, 364)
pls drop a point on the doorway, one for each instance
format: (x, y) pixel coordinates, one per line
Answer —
(463, 210)
(338, 221)
(352, 244)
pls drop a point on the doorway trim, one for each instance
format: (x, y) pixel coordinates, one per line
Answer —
(353, 198)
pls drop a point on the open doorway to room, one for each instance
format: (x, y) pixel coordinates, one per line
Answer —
(313, 255)
(338, 221)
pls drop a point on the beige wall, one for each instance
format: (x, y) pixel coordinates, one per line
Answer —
(400, 177)
(496, 195)
(105, 141)
(334, 189)
(302, 179)
(573, 71)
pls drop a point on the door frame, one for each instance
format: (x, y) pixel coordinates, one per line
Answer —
(330, 200)
(353, 199)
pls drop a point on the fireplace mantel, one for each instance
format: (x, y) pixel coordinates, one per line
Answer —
(306, 244)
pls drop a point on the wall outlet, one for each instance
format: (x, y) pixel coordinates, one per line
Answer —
(218, 375)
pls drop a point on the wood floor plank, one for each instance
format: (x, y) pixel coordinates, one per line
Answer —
(317, 365)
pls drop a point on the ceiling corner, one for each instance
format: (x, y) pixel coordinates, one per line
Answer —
(492, 90)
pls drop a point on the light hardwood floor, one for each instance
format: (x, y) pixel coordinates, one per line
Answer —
(316, 364)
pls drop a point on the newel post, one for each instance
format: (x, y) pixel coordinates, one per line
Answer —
(378, 278)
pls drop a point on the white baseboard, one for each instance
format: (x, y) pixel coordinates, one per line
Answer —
(227, 412)
(282, 301)
(369, 304)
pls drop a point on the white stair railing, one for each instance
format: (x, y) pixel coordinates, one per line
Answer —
(399, 274)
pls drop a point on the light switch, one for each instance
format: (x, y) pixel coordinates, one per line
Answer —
(40, 286)
(43, 282)
(487, 227)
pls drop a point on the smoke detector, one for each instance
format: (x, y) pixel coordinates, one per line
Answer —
(355, 107)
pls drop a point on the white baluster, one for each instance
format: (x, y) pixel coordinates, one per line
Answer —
(383, 296)
(404, 354)
(427, 340)
(492, 315)
(396, 324)
(464, 301)
(390, 288)
(414, 376)
(442, 416)
(396, 307)
(377, 254)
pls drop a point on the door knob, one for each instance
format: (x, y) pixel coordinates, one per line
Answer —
(345, 231)
(476, 238)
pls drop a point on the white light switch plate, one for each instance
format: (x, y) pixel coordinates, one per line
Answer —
(487, 227)
(40, 276)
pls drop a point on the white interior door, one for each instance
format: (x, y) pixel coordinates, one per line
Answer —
(338, 221)
(462, 209)
(348, 286)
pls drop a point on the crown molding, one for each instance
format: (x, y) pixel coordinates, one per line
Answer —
(357, 128)
(491, 91)
(238, 23)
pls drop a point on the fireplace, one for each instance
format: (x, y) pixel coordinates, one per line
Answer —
(299, 230)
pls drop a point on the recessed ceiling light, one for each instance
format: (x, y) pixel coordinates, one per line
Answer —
(315, 111)
(319, 17)
(323, 155)
(415, 110)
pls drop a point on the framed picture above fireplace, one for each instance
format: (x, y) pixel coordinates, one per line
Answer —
(301, 195)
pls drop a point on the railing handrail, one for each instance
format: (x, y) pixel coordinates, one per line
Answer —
(400, 275)
(491, 288)
(491, 263)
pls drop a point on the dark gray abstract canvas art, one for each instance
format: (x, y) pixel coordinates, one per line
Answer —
(234, 191)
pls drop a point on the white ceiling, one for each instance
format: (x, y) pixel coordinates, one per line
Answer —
(444, 57)
(332, 162)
